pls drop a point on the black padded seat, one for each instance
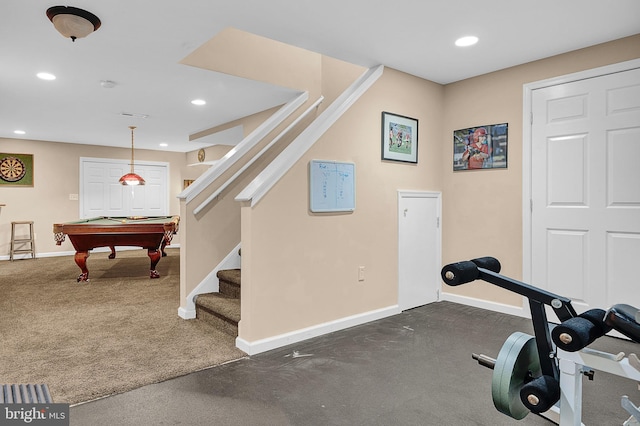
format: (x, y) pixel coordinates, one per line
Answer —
(623, 318)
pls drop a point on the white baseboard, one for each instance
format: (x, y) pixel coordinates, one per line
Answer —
(71, 253)
(487, 304)
(39, 255)
(263, 345)
(187, 314)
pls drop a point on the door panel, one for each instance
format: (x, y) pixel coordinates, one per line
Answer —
(102, 194)
(419, 251)
(585, 214)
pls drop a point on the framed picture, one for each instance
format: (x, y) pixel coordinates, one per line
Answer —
(16, 169)
(399, 138)
(483, 147)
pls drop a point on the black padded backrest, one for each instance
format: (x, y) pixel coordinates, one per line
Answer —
(624, 318)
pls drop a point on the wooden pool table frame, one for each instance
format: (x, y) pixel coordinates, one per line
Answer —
(132, 231)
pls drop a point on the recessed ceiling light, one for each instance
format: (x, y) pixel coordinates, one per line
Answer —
(164, 144)
(46, 76)
(199, 102)
(466, 41)
(19, 132)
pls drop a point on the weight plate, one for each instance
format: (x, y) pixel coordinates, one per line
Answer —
(517, 359)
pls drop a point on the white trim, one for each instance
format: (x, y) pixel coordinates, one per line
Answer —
(229, 181)
(186, 314)
(488, 305)
(210, 283)
(127, 162)
(296, 149)
(159, 164)
(586, 74)
(424, 194)
(72, 253)
(527, 111)
(263, 345)
(238, 151)
(419, 194)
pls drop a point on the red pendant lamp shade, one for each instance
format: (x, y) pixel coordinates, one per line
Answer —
(131, 178)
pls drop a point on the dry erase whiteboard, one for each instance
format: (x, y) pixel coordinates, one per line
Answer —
(332, 186)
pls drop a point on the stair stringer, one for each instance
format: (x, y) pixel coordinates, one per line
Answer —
(210, 283)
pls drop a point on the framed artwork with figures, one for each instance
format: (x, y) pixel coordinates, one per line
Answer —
(481, 148)
(399, 138)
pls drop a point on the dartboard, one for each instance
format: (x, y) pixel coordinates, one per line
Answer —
(12, 169)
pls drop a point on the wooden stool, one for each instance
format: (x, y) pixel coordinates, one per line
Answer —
(22, 241)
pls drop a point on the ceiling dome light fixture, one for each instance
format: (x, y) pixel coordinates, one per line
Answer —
(72, 22)
(466, 41)
(131, 178)
(199, 102)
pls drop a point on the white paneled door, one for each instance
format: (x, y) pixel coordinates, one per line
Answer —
(419, 248)
(102, 195)
(585, 190)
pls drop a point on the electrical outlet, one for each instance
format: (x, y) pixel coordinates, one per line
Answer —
(361, 273)
(73, 197)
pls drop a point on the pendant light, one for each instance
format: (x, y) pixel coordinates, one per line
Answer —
(131, 178)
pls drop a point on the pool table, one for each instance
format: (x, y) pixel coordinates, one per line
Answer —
(152, 233)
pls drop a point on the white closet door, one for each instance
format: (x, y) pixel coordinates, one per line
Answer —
(585, 190)
(419, 248)
(102, 195)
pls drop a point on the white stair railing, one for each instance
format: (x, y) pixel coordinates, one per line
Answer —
(236, 153)
(296, 149)
(249, 163)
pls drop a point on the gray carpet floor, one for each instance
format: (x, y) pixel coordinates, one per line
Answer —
(117, 332)
(414, 368)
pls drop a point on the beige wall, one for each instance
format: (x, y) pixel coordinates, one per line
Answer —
(302, 267)
(56, 175)
(482, 209)
(212, 234)
(247, 55)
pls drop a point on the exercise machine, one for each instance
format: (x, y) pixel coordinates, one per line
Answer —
(543, 373)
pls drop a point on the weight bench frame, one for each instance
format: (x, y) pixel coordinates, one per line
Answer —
(566, 367)
(537, 298)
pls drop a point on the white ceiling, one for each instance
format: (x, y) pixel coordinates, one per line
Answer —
(141, 42)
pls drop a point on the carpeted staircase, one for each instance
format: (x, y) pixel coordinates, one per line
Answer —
(222, 309)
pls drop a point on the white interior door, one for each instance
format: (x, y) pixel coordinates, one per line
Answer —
(102, 195)
(419, 248)
(585, 190)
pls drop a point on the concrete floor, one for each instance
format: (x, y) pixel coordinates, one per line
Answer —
(414, 368)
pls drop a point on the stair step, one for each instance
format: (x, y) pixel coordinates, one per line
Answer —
(229, 275)
(229, 282)
(221, 311)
